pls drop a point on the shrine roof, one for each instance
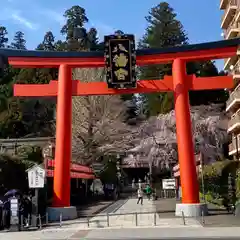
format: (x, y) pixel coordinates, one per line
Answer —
(140, 52)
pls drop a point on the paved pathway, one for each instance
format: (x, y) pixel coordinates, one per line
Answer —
(132, 214)
(127, 233)
(164, 233)
(122, 226)
(218, 217)
(92, 208)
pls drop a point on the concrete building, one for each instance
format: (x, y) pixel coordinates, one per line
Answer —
(230, 23)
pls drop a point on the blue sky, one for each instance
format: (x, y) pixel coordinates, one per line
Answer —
(201, 19)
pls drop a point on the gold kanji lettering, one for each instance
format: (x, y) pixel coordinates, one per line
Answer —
(120, 60)
(119, 47)
(121, 74)
(115, 49)
(122, 48)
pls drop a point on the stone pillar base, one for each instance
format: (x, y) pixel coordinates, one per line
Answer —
(191, 210)
(68, 213)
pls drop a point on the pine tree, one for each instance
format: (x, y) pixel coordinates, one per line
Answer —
(19, 42)
(92, 39)
(48, 42)
(76, 34)
(163, 30)
(76, 17)
(60, 45)
(3, 37)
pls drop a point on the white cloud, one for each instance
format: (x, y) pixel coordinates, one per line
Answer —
(53, 15)
(57, 16)
(10, 14)
(23, 21)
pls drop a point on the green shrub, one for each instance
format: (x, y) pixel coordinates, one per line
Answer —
(216, 180)
(238, 184)
(209, 198)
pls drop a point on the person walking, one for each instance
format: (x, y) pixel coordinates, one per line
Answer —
(148, 191)
(140, 196)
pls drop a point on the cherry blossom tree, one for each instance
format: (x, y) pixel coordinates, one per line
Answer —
(158, 141)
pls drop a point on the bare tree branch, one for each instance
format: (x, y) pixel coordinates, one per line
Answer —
(97, 122)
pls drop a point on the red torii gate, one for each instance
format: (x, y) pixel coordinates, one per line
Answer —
(180, 83)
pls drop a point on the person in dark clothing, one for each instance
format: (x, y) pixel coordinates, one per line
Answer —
(21, 213)
(6, 214)
(27, 205)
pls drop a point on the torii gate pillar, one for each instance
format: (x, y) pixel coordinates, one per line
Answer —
(190, 190)
(63, 150)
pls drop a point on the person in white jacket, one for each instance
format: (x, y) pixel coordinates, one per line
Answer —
(140, 196)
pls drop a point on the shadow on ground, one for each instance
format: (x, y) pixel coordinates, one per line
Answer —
(217, 217)
(92, 208)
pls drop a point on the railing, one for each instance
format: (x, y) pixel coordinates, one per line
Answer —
(231, 147)
(233, 25)
(235, 94)
(130, 219)
(236, 69)
(230, 61)
(235, 119)
(223, 4)
(235, 143)
(232, 3)
(225, 61)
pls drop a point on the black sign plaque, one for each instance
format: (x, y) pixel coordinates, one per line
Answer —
(120, 60)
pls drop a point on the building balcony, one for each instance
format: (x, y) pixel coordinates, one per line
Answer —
(234, 28)
(234, 100)
(228, 62)
(234, 122)
(236, 70)
(229, 13)
(223, 4)
(234, 147)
